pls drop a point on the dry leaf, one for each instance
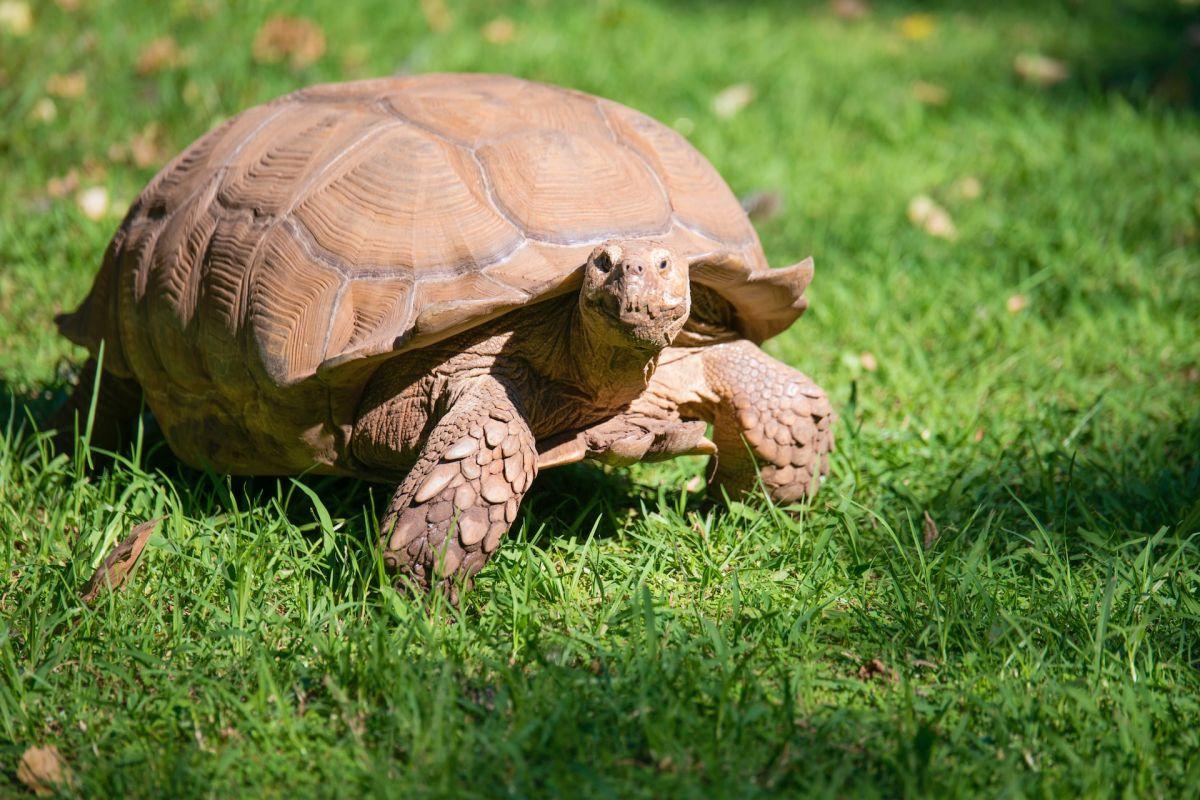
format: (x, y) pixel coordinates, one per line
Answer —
(93, 202)
(501, 30)
(849, 9)
(44, 772)
(62, 186)
(298, 41)
(1016, 304)
(931, 218)
(1040, 70)
(70, 85)
(968, 188)
(731, 100)
(146, 147)
(916, 27)
(875, 668)
(44, 110)
(16, 18)
(930, 94)
(763, 205)
(437, 16)
(118, 565)
(159, 54)
(979, 434)
(867, 359)
(930, 532)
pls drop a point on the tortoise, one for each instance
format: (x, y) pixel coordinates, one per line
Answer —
(449, 282)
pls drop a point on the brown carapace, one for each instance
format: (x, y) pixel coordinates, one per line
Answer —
(449, 282)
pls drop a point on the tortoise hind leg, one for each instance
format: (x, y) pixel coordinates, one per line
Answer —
(449, 514)
(118, 404)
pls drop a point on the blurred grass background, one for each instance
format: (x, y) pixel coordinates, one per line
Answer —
(996, 590)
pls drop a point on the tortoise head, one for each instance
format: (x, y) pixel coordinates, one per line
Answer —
(637, 291)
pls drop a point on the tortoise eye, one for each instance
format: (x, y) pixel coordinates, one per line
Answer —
(662, 264)
(603, 261)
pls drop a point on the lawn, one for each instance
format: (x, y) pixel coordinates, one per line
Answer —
(996, 592)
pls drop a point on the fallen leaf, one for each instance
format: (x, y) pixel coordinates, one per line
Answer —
(930, 217)
(437, 16)
(930, 532)
(930, 94)
(849, 9)
(63, 185)
(69, 85)
(763, 205)
(868, 361)
(93, 202)
(730, 100)
(44, 772)
(44, 110)
(978, 436)
(159, 54)
(501, 30)
(968, 188)
(916, 27)
(16, 17)
(1040, 70)
(923, 663)
(118, 565)
(875, 668)
(147, 147)
(297, 40)
(1016, 304)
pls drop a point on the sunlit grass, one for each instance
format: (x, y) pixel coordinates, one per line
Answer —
(1031, 386)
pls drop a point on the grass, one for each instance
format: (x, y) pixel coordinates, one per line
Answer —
(1032, 386)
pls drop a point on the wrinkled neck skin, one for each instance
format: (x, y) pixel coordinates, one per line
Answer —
(581, 351)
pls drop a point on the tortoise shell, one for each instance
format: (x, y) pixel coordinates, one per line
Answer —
(347, 223)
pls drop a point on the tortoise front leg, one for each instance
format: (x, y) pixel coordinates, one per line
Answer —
(770, 422)
(449, 514)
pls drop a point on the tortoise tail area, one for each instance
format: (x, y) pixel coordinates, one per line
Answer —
(95, 320)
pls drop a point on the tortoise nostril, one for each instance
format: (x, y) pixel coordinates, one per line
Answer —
(634, 269)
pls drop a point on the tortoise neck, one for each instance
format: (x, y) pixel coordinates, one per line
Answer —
(592, 356)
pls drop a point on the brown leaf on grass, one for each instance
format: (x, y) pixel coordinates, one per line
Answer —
(44, 772)
(147, 148)
(93, 202)
(44, 111)
(437, 16)
(1040, 70)
(501, 30)
(916, 27)
(931, 218)
(930, 533)
(63, 185)
(875, 668)
(930, 94)
(968, 188)
(867, 360)
(732, 99)
(69, 85)
(159, 54)
(120, 562)
(16, 17)
(849, 10)
(297, 40)
(1016, 303)
(763, 205)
